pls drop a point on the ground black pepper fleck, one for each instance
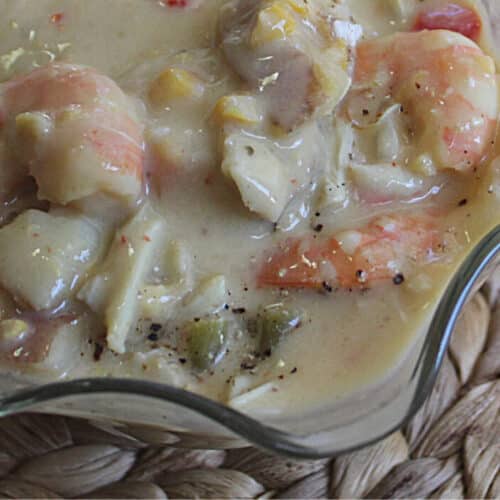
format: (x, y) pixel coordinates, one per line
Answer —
(155, 327)
(398, 279)
(247, 365)
(153, 337)
(182, 360)
(462, 202)
(327, 287)
(98, 350)
(239, 310)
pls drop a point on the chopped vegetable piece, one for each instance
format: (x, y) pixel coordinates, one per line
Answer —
(174, 84)
(205, 340)
(275, 22)
(44, 257)
(275, 323)
(240, 109)
(113, 290)
(259, 174)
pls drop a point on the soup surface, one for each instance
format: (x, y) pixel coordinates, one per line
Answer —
(256, 200)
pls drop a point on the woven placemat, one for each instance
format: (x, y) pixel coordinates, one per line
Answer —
(451, 449)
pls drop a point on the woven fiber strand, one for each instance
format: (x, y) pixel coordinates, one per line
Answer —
(451, 448)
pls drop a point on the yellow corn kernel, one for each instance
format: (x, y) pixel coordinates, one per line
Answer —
(275, 22)
(237, 108)
(175, 84)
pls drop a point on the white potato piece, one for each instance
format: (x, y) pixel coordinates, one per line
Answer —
(44, 256)
(259, 174)
(113, 291)
(70, 340)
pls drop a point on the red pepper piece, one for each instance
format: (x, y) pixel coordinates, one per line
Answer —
(452, 17)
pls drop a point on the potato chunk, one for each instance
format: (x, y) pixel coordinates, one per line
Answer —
(44, 257)
(113, 291)
(261, 177)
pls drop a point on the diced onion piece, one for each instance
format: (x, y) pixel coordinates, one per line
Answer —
(208, 297)
(382, 182)
(179, 264)
(158, 302)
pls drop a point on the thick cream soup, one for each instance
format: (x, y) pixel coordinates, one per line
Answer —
(258, 201)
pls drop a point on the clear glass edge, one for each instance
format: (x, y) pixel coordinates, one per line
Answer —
(484, 256)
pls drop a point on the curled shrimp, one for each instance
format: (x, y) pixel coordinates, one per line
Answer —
(446, 87)
(388, 248)
(74, 131)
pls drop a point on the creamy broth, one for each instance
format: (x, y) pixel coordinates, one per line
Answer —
(214, 231)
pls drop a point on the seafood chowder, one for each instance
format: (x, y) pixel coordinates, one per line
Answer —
(259, 201)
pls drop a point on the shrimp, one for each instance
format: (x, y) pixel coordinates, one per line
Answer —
(388, 248)
(447, 90)
(74, 131)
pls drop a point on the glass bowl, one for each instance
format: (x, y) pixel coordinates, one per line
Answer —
(170, 415)
(192, 420)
